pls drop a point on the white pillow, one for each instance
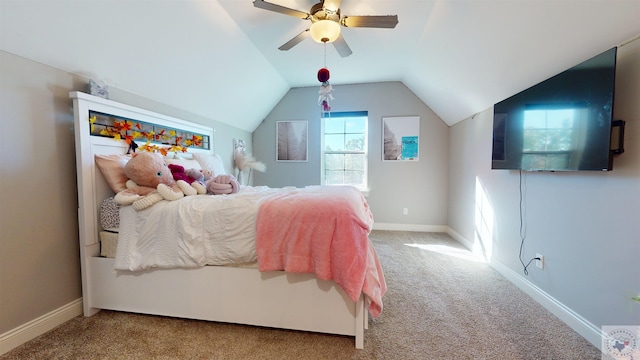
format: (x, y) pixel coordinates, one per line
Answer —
(185, 163)
(210, 162)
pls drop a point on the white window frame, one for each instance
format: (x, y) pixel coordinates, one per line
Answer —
(365, 186)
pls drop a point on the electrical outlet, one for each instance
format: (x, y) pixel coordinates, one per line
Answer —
(405, 211)
(540, 263)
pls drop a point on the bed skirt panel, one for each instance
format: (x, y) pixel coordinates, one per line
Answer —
(229, 294)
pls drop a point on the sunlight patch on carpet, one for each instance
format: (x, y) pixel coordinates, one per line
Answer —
(449, 250)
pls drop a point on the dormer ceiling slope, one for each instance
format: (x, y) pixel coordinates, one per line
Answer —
(219, 59)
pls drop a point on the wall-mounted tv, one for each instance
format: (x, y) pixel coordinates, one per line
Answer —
(561, 124)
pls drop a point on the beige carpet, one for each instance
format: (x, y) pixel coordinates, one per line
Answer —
(440, 305)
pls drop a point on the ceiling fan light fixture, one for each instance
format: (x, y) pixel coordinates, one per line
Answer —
(324, 31)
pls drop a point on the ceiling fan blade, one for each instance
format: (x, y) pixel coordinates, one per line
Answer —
(280, 9)
(384, 21)
(341, 47)
(297, 39)
(332, 5)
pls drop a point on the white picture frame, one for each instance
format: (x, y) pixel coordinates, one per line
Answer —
(401, 138)
(291, 141)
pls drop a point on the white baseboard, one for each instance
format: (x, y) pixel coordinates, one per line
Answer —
(587, 330)
(34, 328)
(410, 227)
(462, 240)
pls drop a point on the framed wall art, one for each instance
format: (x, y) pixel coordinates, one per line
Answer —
(239, 146)
(401, 138)
(291, 140)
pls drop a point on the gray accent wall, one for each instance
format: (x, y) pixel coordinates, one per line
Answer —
(586, 224)
(420, 186)
(39, 251)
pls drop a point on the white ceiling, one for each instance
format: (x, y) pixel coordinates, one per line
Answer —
(219, 58)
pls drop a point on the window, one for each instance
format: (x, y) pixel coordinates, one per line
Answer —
(344, 149)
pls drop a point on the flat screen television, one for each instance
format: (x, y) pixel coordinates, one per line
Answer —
(561, 124)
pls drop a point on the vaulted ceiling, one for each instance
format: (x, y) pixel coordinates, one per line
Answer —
(220, 58)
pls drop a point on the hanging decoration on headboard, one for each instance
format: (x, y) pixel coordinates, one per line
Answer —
(325, 88)
(129, 131)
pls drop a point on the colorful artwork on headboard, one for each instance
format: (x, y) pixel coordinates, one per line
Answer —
(157, 138)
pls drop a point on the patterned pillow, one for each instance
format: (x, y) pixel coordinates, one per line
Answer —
(110, 215)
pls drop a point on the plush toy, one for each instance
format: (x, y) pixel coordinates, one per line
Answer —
(177, 171)
(189, 176)
(223, 184)
(195, 175)
(150, 181)
(201, 176)
(207, 175)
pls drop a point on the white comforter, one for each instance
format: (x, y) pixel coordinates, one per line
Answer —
(201, 229)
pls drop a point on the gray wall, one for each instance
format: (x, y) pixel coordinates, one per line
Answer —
(39, 256)
(586, 224)
(419, 186)
(39, 253)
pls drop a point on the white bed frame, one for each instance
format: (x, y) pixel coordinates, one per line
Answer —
(215, 293)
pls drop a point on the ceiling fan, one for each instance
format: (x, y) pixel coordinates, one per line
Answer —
(326, 21)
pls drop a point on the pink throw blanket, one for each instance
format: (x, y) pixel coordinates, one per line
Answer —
(322, 230)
